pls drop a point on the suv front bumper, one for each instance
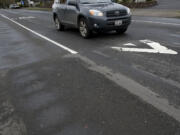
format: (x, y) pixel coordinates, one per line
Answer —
(108, 24)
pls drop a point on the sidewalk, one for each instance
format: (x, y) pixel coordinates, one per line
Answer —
(167, 13)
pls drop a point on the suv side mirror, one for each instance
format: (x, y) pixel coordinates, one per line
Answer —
(72, 3)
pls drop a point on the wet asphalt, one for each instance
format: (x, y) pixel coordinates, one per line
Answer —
(45, 90)
(168, 4)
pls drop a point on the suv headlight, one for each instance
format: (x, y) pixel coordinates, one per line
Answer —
(95, 12)
(128, 11)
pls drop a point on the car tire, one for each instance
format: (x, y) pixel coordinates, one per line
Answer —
(83, 28)
(121, 31)
(58, 24)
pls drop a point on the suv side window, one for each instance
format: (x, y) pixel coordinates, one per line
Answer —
(62, 1)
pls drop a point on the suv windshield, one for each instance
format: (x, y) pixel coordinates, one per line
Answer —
(94, 1)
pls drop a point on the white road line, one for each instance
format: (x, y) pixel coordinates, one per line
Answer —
(156, 48)
(129, 44)
(43, 37)
(135, 50)
(164, 23)
(26, 17)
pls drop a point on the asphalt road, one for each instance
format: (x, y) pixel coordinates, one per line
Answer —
(168, 4)
(89, 87)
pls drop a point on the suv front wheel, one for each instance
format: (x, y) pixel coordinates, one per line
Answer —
(58, 24)
(83, 28)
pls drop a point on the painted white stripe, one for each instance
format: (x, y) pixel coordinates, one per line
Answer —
(43, 37)
(135, 50)
(164, 23)
(28, 17)
(156, 48)
(129, 44)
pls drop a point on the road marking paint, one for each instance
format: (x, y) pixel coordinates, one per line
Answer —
(129, 44)
(28, 17)
(156, 48)
(164, 23)
(42, 36)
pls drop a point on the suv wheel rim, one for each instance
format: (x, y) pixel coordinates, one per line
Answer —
(57, 24)
(83, 28)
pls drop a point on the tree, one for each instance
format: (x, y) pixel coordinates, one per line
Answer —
(6, 3)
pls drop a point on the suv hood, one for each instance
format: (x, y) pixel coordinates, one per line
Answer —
(104, 6)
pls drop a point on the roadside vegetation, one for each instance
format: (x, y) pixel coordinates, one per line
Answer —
(6, 3)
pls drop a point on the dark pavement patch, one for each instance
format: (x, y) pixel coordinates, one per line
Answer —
(54, 98)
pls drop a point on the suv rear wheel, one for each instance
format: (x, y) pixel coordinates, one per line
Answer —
(58, 24)
(83, 28)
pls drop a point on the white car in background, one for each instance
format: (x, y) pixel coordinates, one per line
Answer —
(14, 6)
